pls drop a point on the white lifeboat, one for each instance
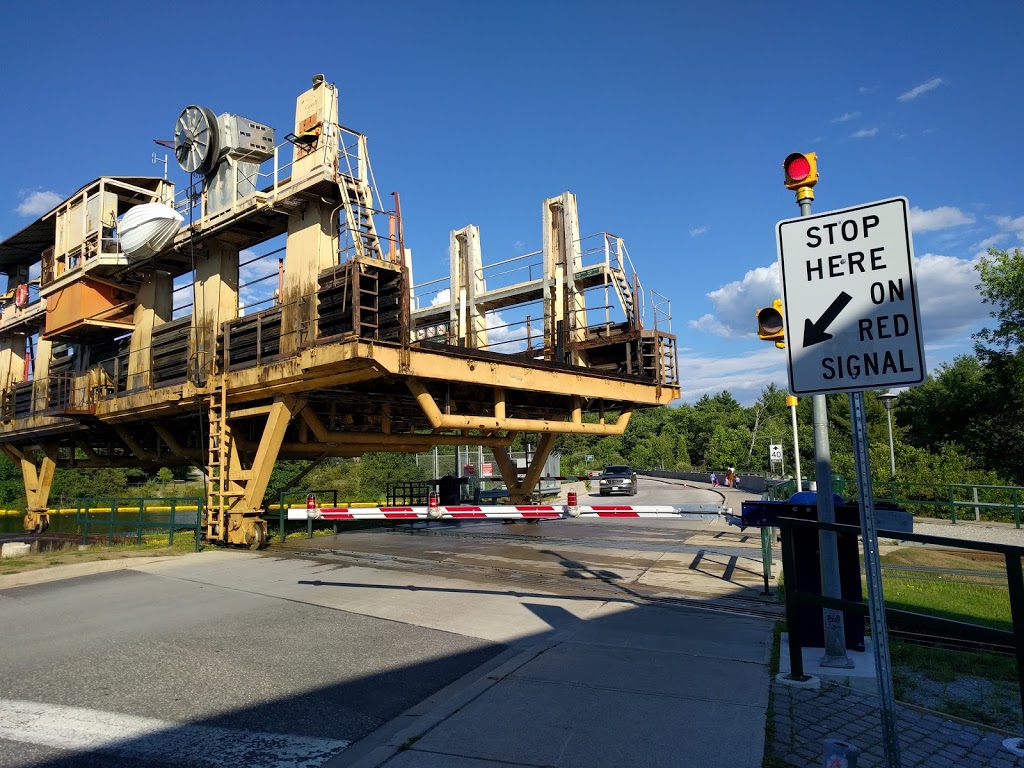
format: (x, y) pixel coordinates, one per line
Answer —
(147, 229)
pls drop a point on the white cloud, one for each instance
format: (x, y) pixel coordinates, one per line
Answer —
(917, 90)
(989, 242)
(745, 376)
(506, 335)
(950, 303)
(1009, 224)
(865, 89)
(443, 296)
(711, 324)
(865, 133)
(938, 218)
(698, 231)
(37, 203)
(846, 117)
(736, 303)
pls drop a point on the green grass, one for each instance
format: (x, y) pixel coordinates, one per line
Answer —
(960, 601)
(998, 706)
(944, 665)
(69, 553)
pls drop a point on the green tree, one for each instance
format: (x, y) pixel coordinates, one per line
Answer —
(1001, 352)
(12, 490)
(1002, 286)
(949, 408)
(376, 470)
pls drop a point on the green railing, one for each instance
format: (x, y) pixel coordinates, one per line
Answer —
(995, 503)
(128, 517)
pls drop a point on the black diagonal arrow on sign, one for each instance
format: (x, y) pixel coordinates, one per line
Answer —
(814, 333)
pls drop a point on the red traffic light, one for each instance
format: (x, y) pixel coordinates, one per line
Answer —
(798, 168)
(801, 170)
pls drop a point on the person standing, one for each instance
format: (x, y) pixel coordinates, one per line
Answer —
(714, 480)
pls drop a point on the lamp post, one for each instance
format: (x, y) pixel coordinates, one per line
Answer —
(887, 399)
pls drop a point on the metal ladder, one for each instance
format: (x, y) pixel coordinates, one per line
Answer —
(218, 493)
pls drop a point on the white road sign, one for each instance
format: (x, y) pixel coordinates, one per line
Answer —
(775, 452)
(850, 301)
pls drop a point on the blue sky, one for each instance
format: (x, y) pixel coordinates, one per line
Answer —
(668, 120)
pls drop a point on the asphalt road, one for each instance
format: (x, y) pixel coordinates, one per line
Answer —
(223, 676)
(285, 659)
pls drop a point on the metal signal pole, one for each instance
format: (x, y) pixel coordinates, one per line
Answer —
(828, 551)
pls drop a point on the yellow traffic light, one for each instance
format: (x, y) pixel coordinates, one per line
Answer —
(801, 170)
(770, 326)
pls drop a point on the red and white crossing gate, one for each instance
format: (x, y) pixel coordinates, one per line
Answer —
(571, 509)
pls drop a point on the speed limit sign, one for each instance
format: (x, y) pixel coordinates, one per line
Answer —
(775, 452)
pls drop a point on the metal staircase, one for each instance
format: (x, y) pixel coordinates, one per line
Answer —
(356, 198)
(657, 358)
(625, 293)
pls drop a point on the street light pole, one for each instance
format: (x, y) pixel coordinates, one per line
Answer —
(887, 399)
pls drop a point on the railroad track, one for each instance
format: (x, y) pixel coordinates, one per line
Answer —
(568, 585)
(933, 573)
(598, 587)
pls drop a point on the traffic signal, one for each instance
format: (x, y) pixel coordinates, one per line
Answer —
(801, 170)
(770, 326)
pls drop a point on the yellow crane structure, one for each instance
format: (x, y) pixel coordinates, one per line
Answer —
(95, 370)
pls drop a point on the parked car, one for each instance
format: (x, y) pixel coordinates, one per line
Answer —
(617, 479)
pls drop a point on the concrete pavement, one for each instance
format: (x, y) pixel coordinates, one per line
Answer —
(641, 687)
(290, 656)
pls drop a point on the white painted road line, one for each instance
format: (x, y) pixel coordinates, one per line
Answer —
(81, 729)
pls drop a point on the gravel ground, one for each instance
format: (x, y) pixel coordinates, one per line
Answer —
(995, 533)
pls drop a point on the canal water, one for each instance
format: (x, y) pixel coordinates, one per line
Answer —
(122, 523)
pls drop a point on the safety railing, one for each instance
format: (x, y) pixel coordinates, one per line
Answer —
(942, 627)
(127, 518)
(662, 311)
(993, 503)
(268, 177)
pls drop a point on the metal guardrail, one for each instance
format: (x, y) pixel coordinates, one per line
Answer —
(951, 628)
(143, 515)
(986, 501)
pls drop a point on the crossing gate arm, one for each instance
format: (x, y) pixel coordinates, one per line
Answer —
(504, 512)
